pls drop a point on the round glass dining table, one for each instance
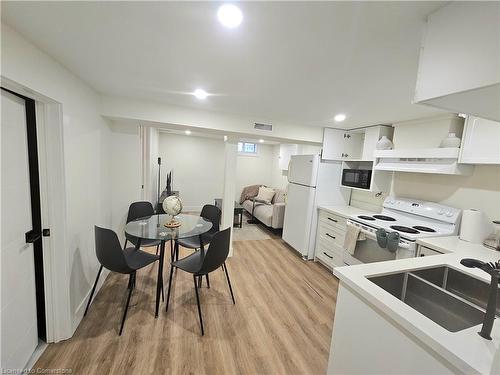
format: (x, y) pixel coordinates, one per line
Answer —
(153, 228)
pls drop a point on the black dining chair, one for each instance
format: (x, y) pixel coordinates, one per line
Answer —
(111, 256)
(211, 213)
(136, 211)
(203, 262)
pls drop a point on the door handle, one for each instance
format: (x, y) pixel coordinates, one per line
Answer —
(32, 236)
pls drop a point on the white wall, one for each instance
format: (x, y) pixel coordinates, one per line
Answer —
(162, 113)
(198, 168)
(86, 155)
(254, 170)
(279, 177)
(125, 175)
(480, 191)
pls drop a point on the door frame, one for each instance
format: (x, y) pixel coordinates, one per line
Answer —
(56, 270)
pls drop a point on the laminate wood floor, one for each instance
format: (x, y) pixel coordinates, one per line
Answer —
(281, 323)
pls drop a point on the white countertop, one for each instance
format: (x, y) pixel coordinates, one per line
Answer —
(464, 349)
(346, 211)
(454, 244)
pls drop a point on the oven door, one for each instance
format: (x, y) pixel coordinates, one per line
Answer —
(369, 251)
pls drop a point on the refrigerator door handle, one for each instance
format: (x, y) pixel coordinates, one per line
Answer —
(288, 173)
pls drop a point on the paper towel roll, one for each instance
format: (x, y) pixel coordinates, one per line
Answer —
(475, 226)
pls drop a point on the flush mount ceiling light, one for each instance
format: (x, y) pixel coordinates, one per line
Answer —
(229, 15)
(261, 140)
(187, 132)
(340, 117)
(200, 94)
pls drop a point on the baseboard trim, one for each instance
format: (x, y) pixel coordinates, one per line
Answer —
(78, 314)
(42, 345)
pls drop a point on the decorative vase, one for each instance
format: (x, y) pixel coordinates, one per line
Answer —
(384, 143)
(451, 141)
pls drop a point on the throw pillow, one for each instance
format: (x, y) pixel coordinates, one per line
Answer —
(265, 194)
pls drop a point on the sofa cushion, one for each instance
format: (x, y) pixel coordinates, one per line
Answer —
(265, 194)
(263, 212)
(279, 196)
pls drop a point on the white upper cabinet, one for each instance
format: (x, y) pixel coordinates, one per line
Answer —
(286, 151)
(481, 142)
(342, 144)
(372, 136)
(353, 145)
(459, 66)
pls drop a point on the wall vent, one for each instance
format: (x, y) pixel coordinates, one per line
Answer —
(265, 127)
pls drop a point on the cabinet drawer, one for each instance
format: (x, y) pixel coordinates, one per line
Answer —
(332, 219)
(331, 233)
(326, 255)
(331, 247)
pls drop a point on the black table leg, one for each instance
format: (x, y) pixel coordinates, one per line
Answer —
(253, 220)
(159, 282)
(202, 249)
(241, 219)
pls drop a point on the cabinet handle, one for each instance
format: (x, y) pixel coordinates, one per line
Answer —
(329, 235)
(329, 256)
(332, 219)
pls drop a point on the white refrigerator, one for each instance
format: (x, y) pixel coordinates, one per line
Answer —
(310, 183)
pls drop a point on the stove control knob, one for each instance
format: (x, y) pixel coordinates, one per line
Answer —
(440, 212)
(449, 214)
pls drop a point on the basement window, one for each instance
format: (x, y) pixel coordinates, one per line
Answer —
(247, 148)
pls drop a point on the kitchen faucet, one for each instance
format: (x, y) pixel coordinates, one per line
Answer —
(493, 269)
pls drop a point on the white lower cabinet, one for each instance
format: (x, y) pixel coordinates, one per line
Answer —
(366, 341)
(330, 239)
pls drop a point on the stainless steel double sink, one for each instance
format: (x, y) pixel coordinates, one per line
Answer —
(450, 298)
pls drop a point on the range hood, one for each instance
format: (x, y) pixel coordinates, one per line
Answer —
(423, 160)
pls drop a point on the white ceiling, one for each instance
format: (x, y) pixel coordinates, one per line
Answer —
(295, 62)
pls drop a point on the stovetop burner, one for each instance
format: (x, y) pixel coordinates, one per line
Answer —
(384, 218)
(366, 217)
(401, 228)
(424, 229)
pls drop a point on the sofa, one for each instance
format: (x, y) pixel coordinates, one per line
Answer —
(271, 215)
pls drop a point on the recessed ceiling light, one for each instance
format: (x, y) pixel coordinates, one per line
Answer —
(340, 117)
(187, 132)
(229, 15)
(200, 94)
(261, 140)
(225, 138)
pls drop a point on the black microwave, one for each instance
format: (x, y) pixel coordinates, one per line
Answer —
(358, 178)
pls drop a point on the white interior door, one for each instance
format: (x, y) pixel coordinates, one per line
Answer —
(18, 303)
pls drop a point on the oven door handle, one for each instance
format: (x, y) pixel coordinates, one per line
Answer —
(368, 234)
(372, 236)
